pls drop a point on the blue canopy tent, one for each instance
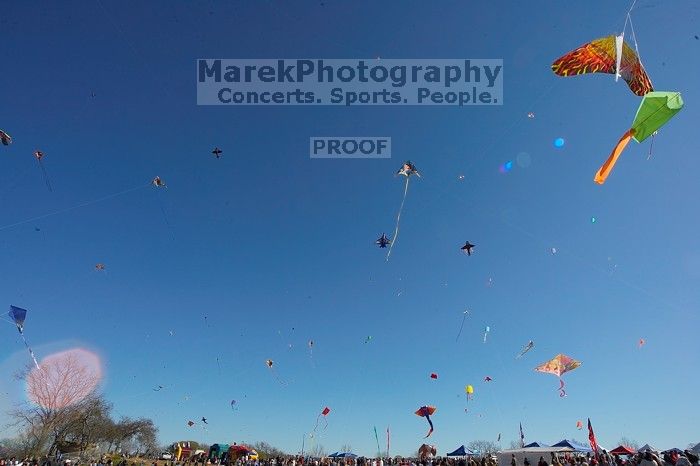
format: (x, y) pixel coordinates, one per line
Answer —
(342, 455)
(333, 455)
(461, 451)
(536, 445)
(577, 446)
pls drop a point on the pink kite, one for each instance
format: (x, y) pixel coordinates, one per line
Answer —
(559, 365)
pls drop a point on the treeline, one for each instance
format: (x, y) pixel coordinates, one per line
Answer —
(65, 414)
(84, 429)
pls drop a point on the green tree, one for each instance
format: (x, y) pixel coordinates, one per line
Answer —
(265, 450)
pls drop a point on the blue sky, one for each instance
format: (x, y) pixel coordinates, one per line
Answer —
(265, 248)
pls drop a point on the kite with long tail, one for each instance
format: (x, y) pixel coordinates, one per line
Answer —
(559, 365)
(323, 413)
(426, 412)
(655, 110)
(406, 170)
(466, 312)
(18, 315)
(526, 348)
(270, 363)
(38, 155)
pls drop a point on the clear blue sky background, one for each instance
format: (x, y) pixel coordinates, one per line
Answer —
(265, 248)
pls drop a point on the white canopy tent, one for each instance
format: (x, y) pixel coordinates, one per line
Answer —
(532, 454)
(646, 448)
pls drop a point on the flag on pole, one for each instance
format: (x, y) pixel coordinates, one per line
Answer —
(591, 438)
(522, 436)
(387, 441)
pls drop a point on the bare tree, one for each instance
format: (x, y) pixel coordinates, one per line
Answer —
(61, 381)
(317, 451)
(61, 390)
(485, 447)
(346, 447)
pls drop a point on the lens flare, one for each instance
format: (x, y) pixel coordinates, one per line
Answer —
(506, 167)
(64, 379)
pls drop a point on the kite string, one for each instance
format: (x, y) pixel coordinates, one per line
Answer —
(627, 16)
(398, 219)
(68, 209)
(579, 259)
(634, 38)
(651, 147)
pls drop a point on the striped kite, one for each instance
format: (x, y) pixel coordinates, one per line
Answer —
(609, 55)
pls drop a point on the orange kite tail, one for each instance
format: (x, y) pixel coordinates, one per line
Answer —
(607, 167)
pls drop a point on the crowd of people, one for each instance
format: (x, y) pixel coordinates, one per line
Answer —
(648, 458)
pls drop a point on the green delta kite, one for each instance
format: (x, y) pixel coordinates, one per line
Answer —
(654, 112)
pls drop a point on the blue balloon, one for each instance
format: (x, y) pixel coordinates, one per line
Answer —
(559, 142)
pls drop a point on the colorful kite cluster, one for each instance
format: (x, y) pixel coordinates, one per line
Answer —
(613, 55)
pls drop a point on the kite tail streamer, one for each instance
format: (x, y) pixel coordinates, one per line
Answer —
(277, 377)
(167, 223)
(31, 352)
(46, 176)
(398, 219)
(431, 426)
(379, 453)
(280, 380)
(562, 392)
(460, 327)
(607, 167)
(165, 216)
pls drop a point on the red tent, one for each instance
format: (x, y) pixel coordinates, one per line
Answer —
(622, 450)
